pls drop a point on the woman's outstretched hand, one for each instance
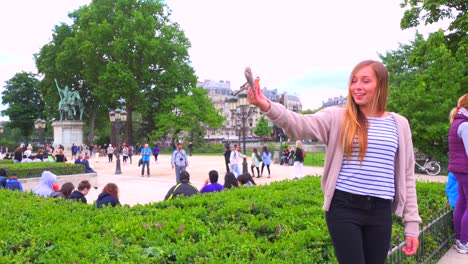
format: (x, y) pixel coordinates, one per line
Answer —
(256, 97)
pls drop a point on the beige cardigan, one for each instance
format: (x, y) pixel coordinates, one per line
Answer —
(325, 126)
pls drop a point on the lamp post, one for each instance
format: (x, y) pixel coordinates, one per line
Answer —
(117, 118)
(40, 125)
(241, 110)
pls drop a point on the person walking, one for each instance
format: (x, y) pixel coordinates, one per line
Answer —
(234, 160)
(190, 148)
(145, 159)
(179, 161)
(266, 157)
(256, 159)
(156, 152)
(458, 165)
(227, 156)
(110, 152)
(369, 165)
(299, 161)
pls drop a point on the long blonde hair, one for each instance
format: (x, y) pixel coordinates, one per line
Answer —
(462, 102)
(355, 122)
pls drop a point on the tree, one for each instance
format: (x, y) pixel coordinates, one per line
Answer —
(262, 129)
(424, 87)
(123, 49)
(25, 104)
(433, 11)
(184, 114)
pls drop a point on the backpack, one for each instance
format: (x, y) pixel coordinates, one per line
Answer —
(12, 185)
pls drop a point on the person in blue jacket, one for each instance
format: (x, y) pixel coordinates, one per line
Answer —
(109, 196)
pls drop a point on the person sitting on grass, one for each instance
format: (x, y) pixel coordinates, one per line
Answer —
(79, 195)
(183, 188)
(213, 186)
(109, 196)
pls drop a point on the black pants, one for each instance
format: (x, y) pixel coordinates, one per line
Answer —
(253, 172)
(360, 228)
(268, 167)
(110, 156)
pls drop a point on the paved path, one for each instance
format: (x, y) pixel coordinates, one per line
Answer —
(135, 189)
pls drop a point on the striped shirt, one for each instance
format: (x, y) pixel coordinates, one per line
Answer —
(375, 177)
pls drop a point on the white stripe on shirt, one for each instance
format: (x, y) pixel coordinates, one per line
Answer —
(376, 175)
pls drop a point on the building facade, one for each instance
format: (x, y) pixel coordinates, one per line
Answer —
(220, 93)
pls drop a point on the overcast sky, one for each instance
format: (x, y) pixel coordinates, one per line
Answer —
(304, 47)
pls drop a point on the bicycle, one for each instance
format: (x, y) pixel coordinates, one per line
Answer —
(430, 167)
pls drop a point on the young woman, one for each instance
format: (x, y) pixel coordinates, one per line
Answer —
(266, 157)
(369, 165)
(109, 196)
(299, 161)
(458, 165)
(256, 159)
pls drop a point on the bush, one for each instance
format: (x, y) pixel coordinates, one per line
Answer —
(35, 169)
(278, 223)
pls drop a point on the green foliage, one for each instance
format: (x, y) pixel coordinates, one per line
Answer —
(184, 111)
(425, 86)
(209, 148)
(432, 11)
(262, 129)
(24, 102)
(234, 226)
(35, 169)
(124, 51)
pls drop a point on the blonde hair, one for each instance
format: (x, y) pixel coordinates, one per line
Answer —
(355, 122)
(299, 144)
(462, 102)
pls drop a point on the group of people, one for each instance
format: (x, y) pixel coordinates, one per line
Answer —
(233, 159)
(108, 197)
(187, 189)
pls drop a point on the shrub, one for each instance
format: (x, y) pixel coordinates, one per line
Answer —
(278, 223)
(35, 169)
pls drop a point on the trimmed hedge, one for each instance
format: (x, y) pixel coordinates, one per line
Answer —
(278, 223)
(35, 169)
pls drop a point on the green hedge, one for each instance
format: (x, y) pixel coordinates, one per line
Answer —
(234, 226)
(35, 169)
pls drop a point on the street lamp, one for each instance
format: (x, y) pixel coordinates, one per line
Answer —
(241, 110)
(117, 118)
(1, 129)
(40, 125)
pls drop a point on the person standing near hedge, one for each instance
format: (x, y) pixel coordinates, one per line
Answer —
(266, 157)
(179, 161)
(145, 158)
(458, 165)
(369, 165)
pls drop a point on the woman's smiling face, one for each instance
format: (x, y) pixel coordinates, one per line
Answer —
(363, 89)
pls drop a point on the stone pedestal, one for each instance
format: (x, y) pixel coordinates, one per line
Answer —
(67, 132)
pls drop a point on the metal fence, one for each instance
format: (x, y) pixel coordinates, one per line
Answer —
(434, 241)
